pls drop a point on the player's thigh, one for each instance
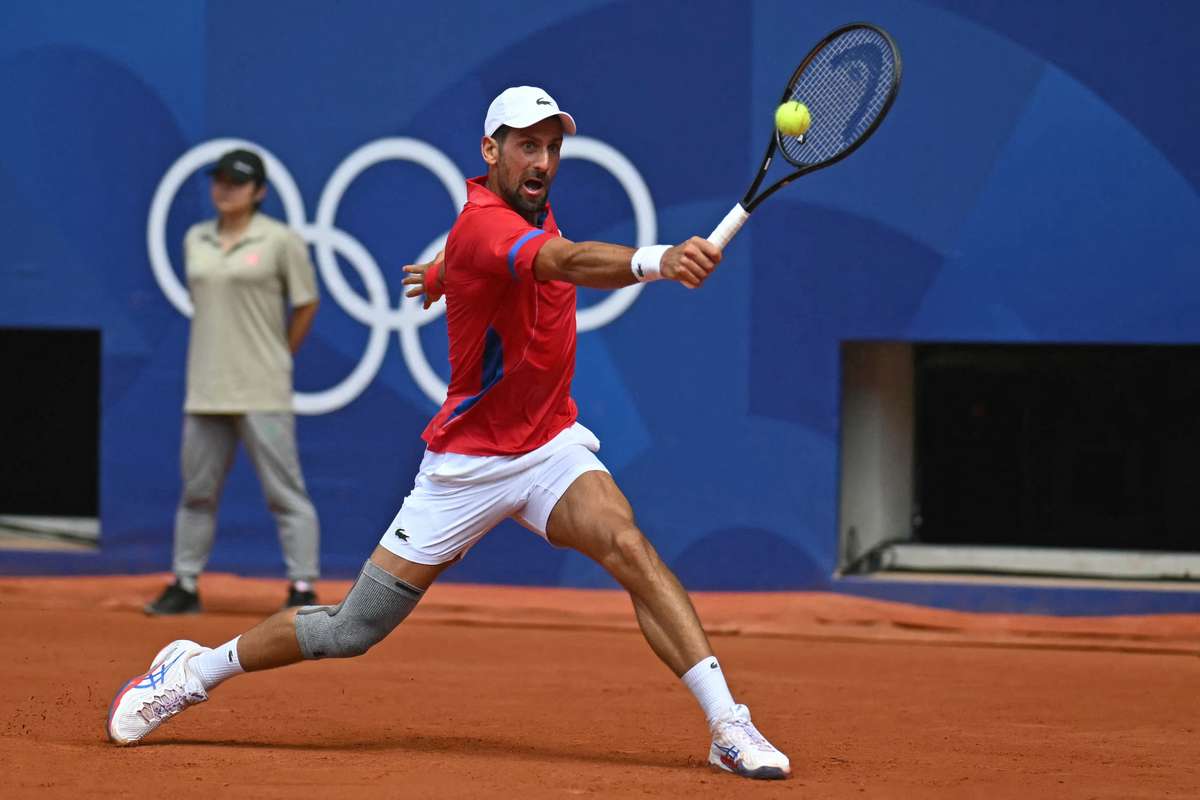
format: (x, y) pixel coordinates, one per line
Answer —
(421, 576)
(591, 516)
(439, 521)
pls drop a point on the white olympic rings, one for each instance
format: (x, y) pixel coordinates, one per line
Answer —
(328, 241)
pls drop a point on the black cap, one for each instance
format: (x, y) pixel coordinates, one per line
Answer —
(240, 166)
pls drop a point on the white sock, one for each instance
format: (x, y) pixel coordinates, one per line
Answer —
(218, 664)
(707, 683)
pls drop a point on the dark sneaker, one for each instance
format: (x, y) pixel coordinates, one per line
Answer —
(300, 597)
(174, 600)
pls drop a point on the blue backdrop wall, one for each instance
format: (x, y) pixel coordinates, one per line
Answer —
(1036, 180)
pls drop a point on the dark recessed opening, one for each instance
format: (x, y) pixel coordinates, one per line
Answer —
(50, 422)
(1081, 446)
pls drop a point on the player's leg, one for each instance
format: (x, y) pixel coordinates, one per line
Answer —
(438, 522)
(386, 591)
(206, 454)
(183, 672)
(594, 517)
(270, 439)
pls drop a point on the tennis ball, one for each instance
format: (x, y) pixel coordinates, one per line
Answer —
(792, 118)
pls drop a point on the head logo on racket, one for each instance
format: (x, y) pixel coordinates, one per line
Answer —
(848, 83)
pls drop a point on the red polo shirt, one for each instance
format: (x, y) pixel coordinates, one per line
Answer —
(512, 337)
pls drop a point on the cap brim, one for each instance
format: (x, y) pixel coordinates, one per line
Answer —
(232, 175)
(568, 121)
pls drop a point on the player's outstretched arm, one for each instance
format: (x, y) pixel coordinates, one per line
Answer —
(611, 266)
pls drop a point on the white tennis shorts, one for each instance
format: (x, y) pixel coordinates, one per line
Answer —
(458, 498)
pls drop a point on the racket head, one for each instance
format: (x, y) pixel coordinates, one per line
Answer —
(848, 81)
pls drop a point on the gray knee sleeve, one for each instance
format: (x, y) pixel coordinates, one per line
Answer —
(378, 602)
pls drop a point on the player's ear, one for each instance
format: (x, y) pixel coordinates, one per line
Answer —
(490, 149)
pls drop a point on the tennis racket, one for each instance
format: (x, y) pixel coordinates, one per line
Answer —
(848, 82)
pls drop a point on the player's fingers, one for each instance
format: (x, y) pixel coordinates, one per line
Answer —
(414, 293)
(710, 250)
(414, 268)
(689, 275)
(696, 269)
(412, 280)
(699, 257)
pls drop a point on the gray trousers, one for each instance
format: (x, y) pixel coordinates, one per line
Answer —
(209, 443)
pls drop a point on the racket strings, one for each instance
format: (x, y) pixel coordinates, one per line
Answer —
(846, 87)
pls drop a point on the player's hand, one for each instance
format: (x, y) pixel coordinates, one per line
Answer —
(690, 263)
(425, 279)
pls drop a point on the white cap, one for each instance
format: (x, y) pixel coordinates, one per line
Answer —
(522, 106)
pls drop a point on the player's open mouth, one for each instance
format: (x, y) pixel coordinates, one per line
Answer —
(533, 186)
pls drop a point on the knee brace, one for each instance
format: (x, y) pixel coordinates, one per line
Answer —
(378, 602)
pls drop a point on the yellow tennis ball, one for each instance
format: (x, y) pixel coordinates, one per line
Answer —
(792, 118)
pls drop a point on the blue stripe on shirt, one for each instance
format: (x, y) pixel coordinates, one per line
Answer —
(491, 373)
(512, 254)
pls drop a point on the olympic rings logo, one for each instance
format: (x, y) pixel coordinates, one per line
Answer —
(327, 239)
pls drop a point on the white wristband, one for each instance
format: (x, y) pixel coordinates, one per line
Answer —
(647, 262)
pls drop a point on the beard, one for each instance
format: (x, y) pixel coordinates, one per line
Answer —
(524, 205)
(518, 200)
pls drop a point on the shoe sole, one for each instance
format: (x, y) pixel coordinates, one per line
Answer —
(112, 707)
(152, 612)
(760, 774)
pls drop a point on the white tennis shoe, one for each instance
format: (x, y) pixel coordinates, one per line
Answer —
(150, 699)
(739, 748)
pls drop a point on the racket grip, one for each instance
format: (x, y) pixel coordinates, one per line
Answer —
(729, 226)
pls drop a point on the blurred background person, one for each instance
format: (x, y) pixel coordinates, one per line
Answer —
(244, 271)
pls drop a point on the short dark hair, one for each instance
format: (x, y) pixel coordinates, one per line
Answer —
(501, 133)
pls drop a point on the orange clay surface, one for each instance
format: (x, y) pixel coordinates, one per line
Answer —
(535, 693)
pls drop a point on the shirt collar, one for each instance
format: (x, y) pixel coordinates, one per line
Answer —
(257, 229)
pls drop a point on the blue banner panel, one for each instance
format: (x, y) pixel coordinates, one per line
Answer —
(1035, 181)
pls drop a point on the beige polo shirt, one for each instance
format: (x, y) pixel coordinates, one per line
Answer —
(238, 356)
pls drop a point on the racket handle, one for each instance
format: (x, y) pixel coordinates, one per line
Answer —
(729, 226)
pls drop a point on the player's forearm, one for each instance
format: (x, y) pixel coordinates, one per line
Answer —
(597, 265)
(300, 324)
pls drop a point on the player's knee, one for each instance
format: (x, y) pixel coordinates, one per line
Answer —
(630, 553)
(339, 632)
(353, 637)
(378, 602)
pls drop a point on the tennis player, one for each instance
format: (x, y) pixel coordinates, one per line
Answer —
(505, 443)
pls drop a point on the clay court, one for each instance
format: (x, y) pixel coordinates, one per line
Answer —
(509, 692)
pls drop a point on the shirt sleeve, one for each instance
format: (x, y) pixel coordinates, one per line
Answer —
(506, 246)
(298, 272)
(189, 243)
